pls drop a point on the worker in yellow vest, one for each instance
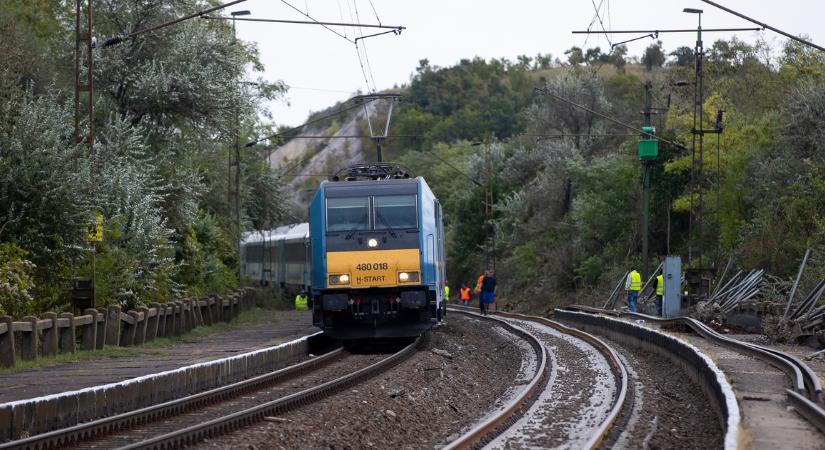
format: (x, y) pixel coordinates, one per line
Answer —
(660, 293)
(632, 286)
(302, 301)
(446, 292)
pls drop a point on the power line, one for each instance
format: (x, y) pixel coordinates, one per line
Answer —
(606, 117)
(376, 12)
(686, 30)
(764, 25)
(601, 24)
(319, 23)
(393, 28)
(310, 122)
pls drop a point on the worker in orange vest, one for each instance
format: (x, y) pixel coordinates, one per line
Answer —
(464, 295)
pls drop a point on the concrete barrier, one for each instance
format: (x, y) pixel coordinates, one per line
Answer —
(42, 414)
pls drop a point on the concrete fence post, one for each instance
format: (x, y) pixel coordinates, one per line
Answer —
(162, 312)
(186, 313)
(88, 334)
(206, 312)
(50, 335)
(29, 340)
(129, 331)
(198, 312)
(178, 318)
(113, 325)
(217, 308)
(7, 356)
(102, 318)
(236, 305)
(226, 309)
(68, 334)
(170, 319)
(154, 321)
(140, 333)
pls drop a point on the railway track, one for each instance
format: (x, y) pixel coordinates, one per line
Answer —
(528, 418)
(806, 394)
(190, 419)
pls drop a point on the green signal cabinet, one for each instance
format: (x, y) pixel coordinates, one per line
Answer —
(648, 147)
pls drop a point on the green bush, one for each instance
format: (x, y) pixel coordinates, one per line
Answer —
(16, 281)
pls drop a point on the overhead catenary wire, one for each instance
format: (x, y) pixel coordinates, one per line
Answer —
(764, 25)
(318, 22)
(606, 117)
(601, 24)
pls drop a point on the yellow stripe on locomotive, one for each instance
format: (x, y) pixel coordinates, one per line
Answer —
(373, 268)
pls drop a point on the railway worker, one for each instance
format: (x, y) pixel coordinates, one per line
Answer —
(488, 290)
(660, 293)
(302, 301)
(446, 292)
(478, 283)
(632, 285)
(464, 295)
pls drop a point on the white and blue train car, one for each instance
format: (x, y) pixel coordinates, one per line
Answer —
(278, 257)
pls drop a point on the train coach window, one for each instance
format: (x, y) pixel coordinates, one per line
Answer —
(348, 213)
(395, 212)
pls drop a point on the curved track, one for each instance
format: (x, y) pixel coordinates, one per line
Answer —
(806, 395)
(190, 419)
(523, 419)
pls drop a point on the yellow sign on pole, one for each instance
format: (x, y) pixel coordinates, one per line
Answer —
(96, 230)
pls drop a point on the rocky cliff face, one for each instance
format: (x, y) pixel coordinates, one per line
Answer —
(341, 141)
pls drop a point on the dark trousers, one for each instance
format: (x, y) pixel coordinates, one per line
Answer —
(659, 304)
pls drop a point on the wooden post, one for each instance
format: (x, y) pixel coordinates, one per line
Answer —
(170, 320)
(7, 357)
(102, 317)
(29, 340)
(140, 334)
(88, 334)
(113, 325)
(50, 337)
(154, 322)
(68, 335)
(129, 330)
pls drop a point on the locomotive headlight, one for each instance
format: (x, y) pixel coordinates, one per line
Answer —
(372, 243)
(408, 277)
(339, 279)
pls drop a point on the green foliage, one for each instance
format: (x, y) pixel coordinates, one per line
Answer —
(16, 281)
(653, 56)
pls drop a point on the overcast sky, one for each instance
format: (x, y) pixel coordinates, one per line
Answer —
(323, 68)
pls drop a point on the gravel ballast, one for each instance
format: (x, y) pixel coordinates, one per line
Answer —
(463, 370)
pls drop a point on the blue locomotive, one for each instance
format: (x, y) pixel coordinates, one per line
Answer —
(377, 241)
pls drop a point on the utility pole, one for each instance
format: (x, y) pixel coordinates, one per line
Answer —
(647, 165)
(234, 184)
(490, 242)
(84, 84)
(648, 152)
(696, 165)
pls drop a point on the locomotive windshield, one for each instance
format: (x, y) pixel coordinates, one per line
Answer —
(348, 213)
(395, 212)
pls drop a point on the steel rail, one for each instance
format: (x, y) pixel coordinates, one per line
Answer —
(239, 419)
(107, 425)
(493, 425)
(806, 395)
(610, 355)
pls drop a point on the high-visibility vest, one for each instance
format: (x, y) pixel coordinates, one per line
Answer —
(301, 303)
(635, 281)
(446, 291)
(465, 293)
(660, 285)
(478, 284)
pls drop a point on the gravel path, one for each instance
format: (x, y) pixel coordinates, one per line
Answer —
(668, 409)
(577, 399)
(465, 368)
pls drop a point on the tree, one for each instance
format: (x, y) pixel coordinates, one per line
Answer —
(654, 56)
(575, 56)
(683, 57)
(617, 57)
